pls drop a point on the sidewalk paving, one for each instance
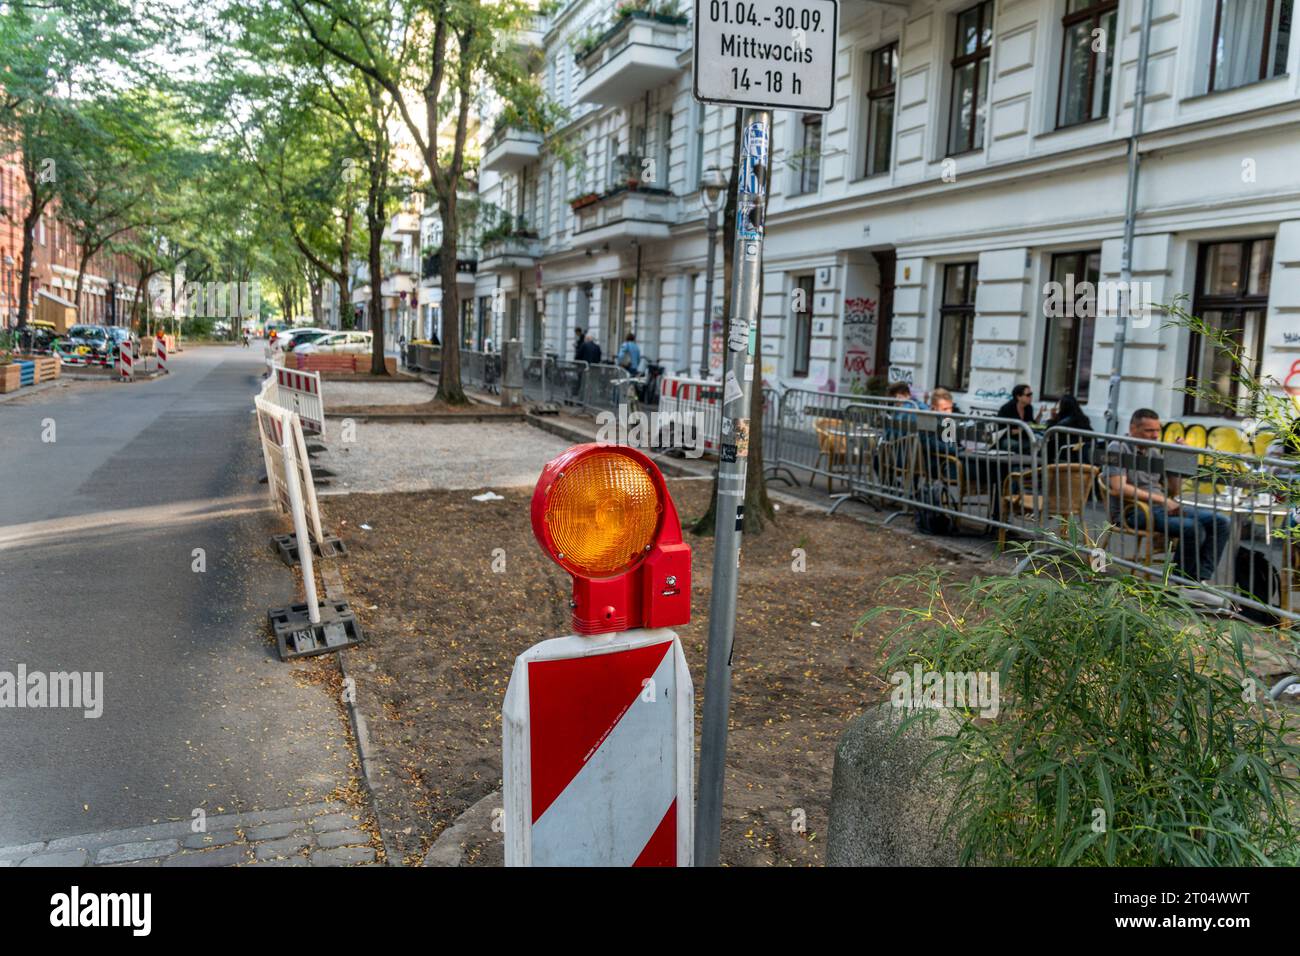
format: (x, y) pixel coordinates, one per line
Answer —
(318, 834)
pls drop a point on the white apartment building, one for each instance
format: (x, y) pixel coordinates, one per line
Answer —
(976, 152)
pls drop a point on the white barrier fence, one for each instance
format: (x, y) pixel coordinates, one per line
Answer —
(693, 399)
(282, 446)
(301, 392)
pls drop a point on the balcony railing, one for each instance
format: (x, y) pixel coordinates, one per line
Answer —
(510, 252)
(433, 266)
(511, 148)
(625, 212)
(638, 53)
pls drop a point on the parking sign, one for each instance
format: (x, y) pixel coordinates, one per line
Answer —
(770, 54)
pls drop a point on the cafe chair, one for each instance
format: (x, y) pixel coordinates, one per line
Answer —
(1063, 492)
(832, 446)
(1150, 540)
(1173, 431)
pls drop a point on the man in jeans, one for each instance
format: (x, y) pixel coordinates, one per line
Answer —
(1202, 535)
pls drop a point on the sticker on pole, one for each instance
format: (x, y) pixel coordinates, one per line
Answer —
(772, 54)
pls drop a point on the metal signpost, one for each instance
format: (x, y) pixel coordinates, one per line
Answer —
(760, 55)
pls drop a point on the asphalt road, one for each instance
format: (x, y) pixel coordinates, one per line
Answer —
(98, 531)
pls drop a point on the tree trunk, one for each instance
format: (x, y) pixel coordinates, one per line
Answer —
(449, 386)
(375, 223)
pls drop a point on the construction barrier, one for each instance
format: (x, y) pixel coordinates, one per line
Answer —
(310, 627)
(160, 348)
(598, 752)
(694, 399)
(301, 392)
(125, 364)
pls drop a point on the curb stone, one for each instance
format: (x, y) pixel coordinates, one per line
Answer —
(449, 848)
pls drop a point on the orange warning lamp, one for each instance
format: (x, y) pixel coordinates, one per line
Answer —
(603, 513)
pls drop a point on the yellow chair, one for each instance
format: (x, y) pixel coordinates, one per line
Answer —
(1195, 436)
(1173, 431)
(1262, 441)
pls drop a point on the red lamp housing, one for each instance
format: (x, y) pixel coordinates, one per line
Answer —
(603, 513)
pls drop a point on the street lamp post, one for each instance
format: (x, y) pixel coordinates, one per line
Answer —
(713, 185)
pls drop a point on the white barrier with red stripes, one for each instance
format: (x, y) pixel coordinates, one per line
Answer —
(160, 348)
(689, 397)
(301, 392)
(269, 397)
(125, 362)
(599, 752)
(288, 477)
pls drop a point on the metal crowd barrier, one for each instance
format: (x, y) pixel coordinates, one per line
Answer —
(424, 358)
(800, 442)
(694, 400)
(1224, 521)
(563, 382)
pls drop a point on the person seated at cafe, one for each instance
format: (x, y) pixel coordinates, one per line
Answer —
(1130, 476)
(1020, 405)
(1069, 414)
(902, 423)
(941, 401)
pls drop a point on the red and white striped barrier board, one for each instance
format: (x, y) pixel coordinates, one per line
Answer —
(160, 347)
(300, 392)
(599, 752)
(286, 464)
(692, 396)
(126, 362)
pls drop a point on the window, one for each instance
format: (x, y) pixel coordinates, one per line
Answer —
(1067, 354)
(882, 74)
(1249, 41)
(810, 153)
(1088, 38)
(970, 78)
(664, 152)
(803, 327)
(1232, 281)
(957, 325)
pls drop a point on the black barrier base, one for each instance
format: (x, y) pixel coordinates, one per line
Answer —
(545, 408)
(297, 636)
(286, 546)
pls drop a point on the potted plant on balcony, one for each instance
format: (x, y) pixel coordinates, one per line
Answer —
(582, 200)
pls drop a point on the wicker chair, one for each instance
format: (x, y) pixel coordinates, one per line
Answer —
(1064, 492)
(1150, 540)
(832, 445)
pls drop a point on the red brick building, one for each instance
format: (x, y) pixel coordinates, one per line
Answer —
(55, 257)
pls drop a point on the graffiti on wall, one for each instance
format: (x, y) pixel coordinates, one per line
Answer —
(858, 366)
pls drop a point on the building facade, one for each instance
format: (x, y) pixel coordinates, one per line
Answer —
(956, 220)
(108, 287)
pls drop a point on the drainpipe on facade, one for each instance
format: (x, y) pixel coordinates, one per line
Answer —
(1130, 216)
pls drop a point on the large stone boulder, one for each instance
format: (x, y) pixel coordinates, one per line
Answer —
(886, 808)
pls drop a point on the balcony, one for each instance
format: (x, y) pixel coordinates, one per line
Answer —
(533, 35)
(510, 149)
(505, 253)
(466, 269)
(638, 53)
(623, 213)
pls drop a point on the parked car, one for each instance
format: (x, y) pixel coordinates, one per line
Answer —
(355, 343)
(39, 338)
(86, 345)
(292, 338)
(120, 334)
